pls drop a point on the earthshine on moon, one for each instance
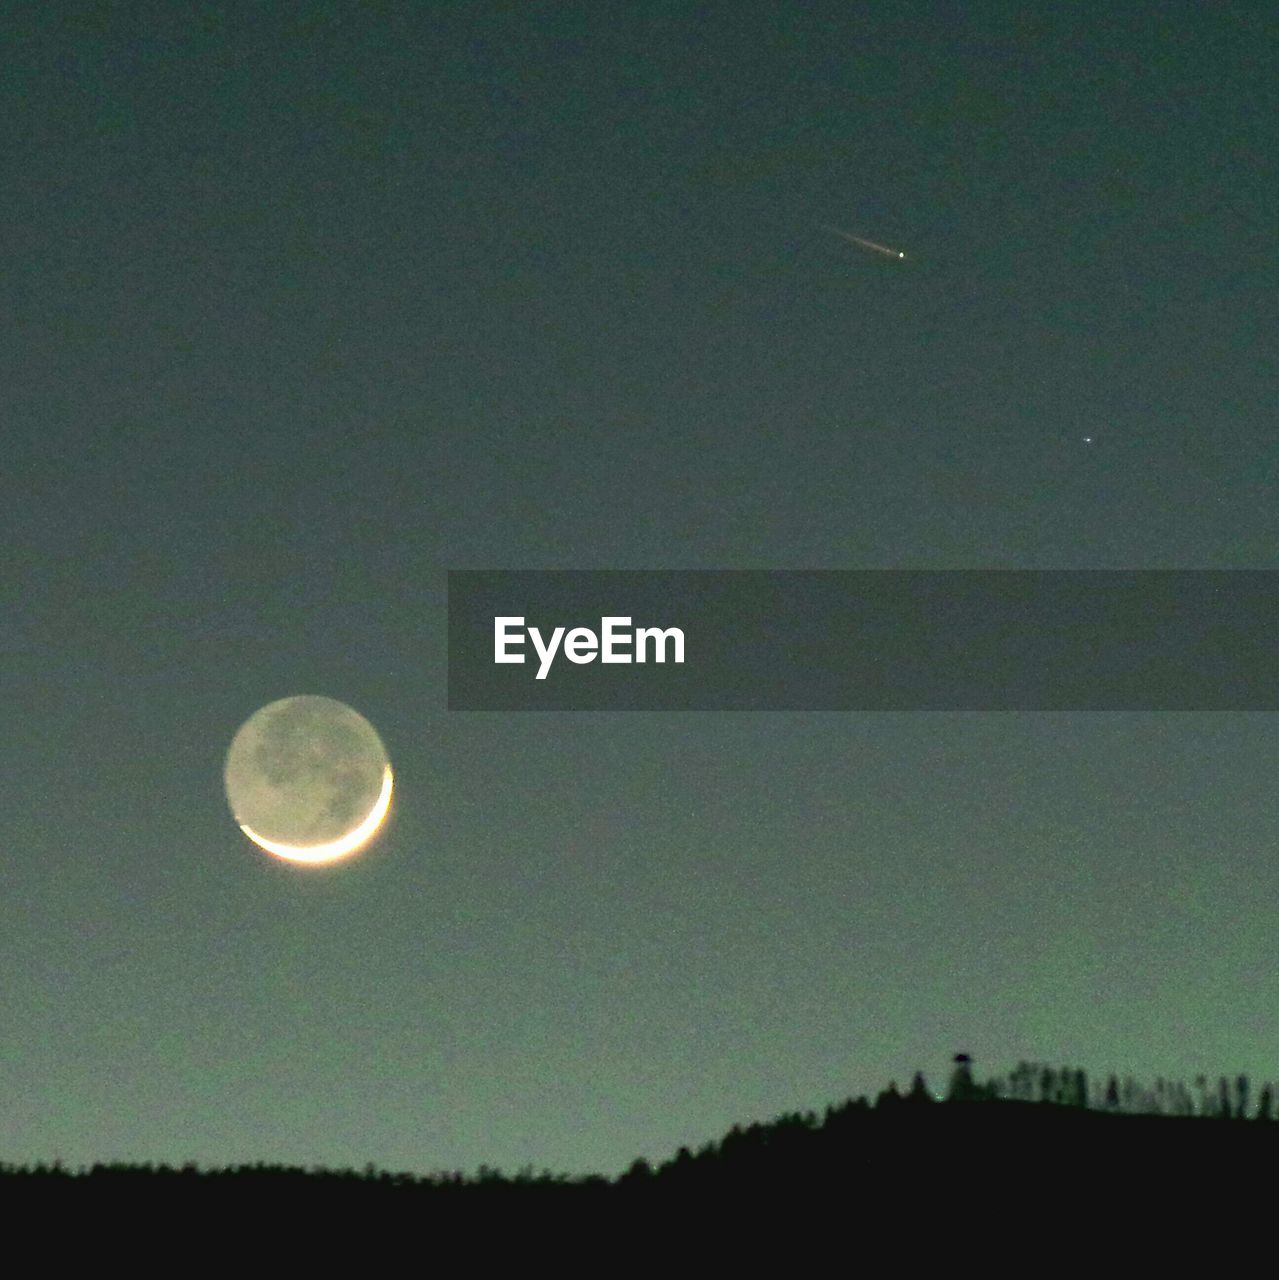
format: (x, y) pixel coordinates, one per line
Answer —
(308, 780)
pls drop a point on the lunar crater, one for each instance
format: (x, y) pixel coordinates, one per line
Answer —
(306, 773)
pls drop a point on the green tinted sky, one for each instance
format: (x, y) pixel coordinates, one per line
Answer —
(306, 304)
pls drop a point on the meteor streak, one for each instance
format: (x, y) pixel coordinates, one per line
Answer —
(866, 244)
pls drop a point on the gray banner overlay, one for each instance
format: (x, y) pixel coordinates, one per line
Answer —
(868, 640)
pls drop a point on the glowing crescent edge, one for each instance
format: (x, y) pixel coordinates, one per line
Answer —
(332, 849)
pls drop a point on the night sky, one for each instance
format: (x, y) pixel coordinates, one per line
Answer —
(305, 305)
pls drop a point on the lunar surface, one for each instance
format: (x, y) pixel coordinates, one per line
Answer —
(308, 780)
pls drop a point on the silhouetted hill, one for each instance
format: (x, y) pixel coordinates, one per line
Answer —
(984, 1148)
(967, 1148)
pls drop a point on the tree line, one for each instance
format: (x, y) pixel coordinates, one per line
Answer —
(1225, 1098)
(1036, 1099)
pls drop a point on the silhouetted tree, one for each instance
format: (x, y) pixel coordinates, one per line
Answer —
(639, 1171)
(1112, 1094)
(888, 1097)
(1161, 1096)
(1021, 1082)
(1241, 1097)
(1224, 1109)
(1201, 1085)
(919, 1090)
(962, 1088)
(1048, 1085)
(1079, 1097)
(1265, 1104)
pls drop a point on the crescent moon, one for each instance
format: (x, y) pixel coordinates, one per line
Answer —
(332, 850)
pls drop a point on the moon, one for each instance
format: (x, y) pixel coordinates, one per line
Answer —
(308, 779)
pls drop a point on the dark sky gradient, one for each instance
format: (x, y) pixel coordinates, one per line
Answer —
(306, 304)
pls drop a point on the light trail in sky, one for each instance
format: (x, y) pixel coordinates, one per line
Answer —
(866, 244)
